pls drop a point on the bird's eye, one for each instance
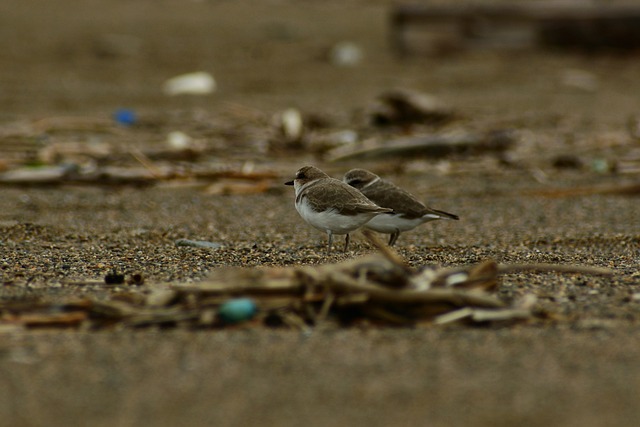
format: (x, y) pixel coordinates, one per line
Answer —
(300, 175)
(355, 181)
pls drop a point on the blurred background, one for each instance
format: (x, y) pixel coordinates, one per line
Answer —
(282, 76)
(93, 56)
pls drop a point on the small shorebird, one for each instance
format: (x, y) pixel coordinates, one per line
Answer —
(408, 211)
(330, 205)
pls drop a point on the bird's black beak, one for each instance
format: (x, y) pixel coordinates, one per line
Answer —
(288, 183)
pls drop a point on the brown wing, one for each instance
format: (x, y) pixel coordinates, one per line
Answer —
(340, 196)
(386, 194)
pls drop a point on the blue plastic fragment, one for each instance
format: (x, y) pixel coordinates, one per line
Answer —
(237, 310)
(125, 117)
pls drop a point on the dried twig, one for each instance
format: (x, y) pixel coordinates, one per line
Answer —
(326, 306)
(147, 163)
(435, 146)
(387, 251)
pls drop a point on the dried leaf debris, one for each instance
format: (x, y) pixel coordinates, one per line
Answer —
(376, 290)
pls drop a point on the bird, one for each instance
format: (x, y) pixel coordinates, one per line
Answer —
(330, 205)
(408, 211)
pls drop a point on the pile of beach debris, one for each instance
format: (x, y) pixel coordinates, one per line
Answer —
(377, 290)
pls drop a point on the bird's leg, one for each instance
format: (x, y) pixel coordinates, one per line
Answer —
(394, 237)
(330, 234)
(346, 242)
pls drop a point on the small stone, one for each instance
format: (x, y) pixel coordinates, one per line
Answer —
(114, 278)
(601, 166)
(136, 279)
(567, 161)
(198, 244)
(237, 310)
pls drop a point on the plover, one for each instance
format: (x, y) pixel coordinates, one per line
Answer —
(408, 211)
(330, 205)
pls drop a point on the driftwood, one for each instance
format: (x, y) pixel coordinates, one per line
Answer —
(434, 147)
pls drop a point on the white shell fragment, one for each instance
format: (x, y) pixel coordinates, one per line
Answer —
(343, 137)
(197, 83)
(292, 124)
(346, 54)
(423, 280)
(457, 278)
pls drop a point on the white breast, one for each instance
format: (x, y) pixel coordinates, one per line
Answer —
(331, 220)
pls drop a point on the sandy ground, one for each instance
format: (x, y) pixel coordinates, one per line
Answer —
(60, 61)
